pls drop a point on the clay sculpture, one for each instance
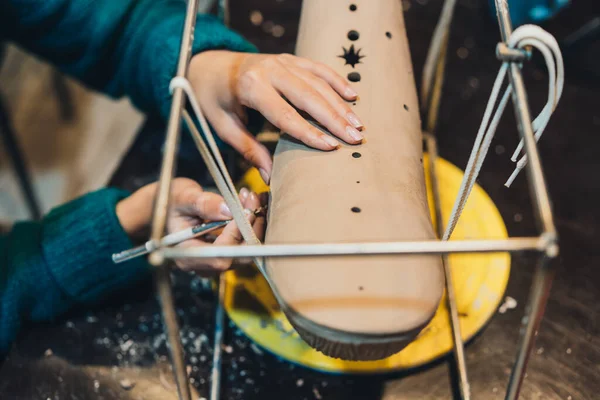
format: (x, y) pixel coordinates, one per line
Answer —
(357, 307)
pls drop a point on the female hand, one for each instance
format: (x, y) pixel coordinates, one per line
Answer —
(225, 82)
(189, 206)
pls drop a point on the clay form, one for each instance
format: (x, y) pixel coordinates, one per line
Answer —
(357, 308)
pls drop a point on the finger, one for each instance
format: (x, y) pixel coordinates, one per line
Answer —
(306, 98)
(232, 131)
(253, 203)
(323, 71)
(231, 235)
(325, 90)
(259, 227)
(192, 200)
(206, 264)
(272, 106)
(250, 200)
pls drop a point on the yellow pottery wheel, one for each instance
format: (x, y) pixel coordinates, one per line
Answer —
(480, 281)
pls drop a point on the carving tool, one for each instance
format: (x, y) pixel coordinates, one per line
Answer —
(175, 238)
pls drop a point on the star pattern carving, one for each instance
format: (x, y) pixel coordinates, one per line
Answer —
(351, 56)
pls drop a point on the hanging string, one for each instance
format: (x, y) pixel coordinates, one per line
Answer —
(526, 35)
(211, 155)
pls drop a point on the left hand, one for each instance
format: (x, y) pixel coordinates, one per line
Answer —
(225, 82)
(189, 206)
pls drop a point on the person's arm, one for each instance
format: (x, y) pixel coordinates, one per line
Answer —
(48, 267)
(119, 47)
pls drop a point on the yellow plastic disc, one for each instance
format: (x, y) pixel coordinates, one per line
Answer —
(480, 281)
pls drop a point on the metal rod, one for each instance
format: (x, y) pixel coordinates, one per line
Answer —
(534, 312)
(360, 249)
(173, 127)
(215, 373)
(224, 11)
(539, 191)
(459, 346)
(163, 282)
(163, 289)
(544, 270)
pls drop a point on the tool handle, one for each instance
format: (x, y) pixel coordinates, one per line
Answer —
(169, 240)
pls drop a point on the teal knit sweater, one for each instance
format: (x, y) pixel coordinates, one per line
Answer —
(121, 48)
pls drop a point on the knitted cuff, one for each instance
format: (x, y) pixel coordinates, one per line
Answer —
(78, 240)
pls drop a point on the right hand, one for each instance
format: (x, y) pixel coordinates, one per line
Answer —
(226, 82)
(189, 206)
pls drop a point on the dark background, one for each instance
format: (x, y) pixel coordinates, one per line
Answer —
(565, 363)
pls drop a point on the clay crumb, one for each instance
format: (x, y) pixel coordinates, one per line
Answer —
(509, 304)
(317, 394)
(127, 384)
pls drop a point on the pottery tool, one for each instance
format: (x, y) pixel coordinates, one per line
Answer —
(175, 238)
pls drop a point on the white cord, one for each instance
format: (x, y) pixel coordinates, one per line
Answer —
(526, 35)
(212, 157)
(442, 30)
(535, 36)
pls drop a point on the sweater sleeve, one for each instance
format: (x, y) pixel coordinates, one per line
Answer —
(48, 267)
(120, 47)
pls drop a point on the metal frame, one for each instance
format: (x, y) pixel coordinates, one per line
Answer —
(545, 244)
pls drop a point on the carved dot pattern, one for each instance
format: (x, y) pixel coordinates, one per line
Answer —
(354, 77)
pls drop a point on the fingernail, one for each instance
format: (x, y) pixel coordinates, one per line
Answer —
(330, 141)
(244, 194)
(264, 175)
(225, 210)
(355, 134)
(353, 119)
(253, 197)
(350, 92)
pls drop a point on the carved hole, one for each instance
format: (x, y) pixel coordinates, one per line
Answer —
(406, 107)
(353, 35)
(352, 7)
(354, 77)
(389, 35)
(355, 209)
(356, 154)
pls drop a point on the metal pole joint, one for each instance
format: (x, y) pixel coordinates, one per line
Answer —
(509, 54)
